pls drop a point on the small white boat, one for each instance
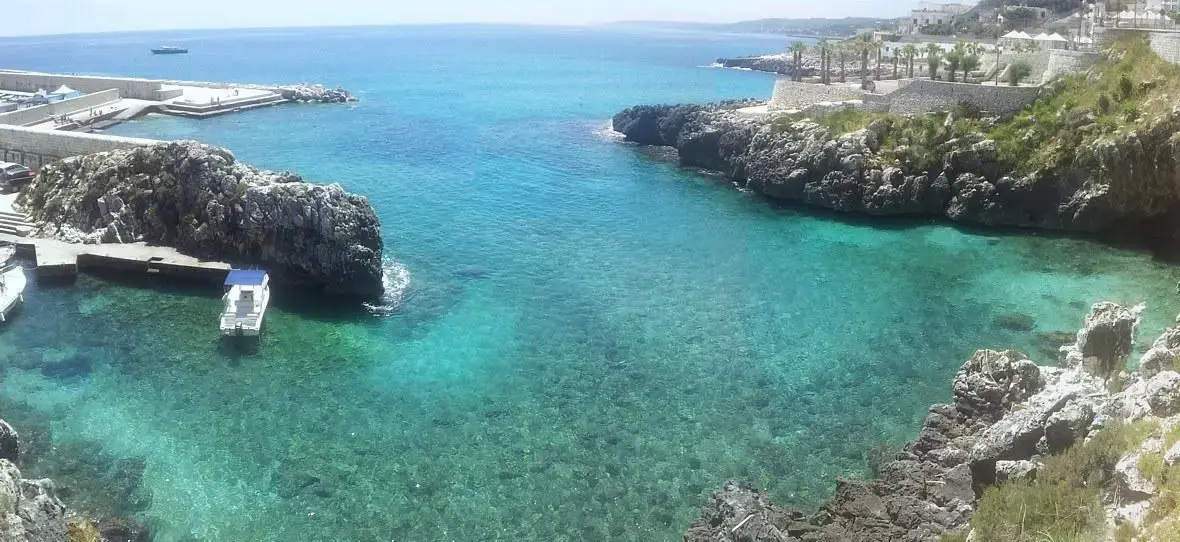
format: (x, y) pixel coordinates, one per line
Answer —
(12, 290)
(247, 292)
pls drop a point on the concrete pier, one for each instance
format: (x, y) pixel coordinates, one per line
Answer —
(58, 259)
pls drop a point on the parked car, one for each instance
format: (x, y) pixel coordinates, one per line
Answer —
(13, 174)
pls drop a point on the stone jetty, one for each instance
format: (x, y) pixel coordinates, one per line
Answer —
(316, 94)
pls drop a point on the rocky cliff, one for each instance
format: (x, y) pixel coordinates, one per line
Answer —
(1127, 181)
(1010, 419)
(204, 202)
(29, 510)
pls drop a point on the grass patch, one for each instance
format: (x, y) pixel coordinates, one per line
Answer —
(1063, 504)
(1152, 467)
(1126, 533)
(839, 122)
(1171, 437)
(1021, 511)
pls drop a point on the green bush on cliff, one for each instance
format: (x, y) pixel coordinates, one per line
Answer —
(1130, 87)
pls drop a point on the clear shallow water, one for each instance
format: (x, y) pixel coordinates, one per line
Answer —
(592, 340)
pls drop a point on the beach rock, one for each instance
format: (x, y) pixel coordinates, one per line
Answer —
(9, 442)
(1069, 425)
(29, 511)
(991, 381)
(205, 203)
(1162, 392)
(739, 513)
(1007, 471)
(1106, 340)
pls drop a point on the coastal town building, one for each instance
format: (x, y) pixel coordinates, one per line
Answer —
(932, 14)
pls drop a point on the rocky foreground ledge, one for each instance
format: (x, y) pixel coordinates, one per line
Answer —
(1011, 422)
(1126, 182)
(202, 201)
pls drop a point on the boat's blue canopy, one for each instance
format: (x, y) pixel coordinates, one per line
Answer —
(245, 277)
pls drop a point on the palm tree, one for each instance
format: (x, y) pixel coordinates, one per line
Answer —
(842, 51)
(797, 49)
(864, 44)
(877, 44)
(910, 53)
(969, 63)
(933, 59)
(825, 51)
(896, 59)
(955, 58)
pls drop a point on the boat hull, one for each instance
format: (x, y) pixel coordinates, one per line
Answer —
(12, 295)
(169, 51)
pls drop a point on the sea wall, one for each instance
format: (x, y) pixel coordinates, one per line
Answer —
(35, 148)
(128, 87)
(924, 96)
(798, 95)
(31, 115)
(1063, 62)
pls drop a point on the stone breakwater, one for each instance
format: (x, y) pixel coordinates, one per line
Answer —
(202, 201)
(1127, 185)
(1008, 414)
(316, 94)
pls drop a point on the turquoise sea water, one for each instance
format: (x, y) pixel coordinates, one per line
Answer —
(591, 340)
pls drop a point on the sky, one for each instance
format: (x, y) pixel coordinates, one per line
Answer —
(34, 17)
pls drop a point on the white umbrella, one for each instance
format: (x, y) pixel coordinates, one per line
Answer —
(1057, 37)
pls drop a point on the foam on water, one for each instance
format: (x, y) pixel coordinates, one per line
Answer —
(395, 278)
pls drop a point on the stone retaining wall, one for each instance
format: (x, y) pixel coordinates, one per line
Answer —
(31, 115)
(1166, 45)
(1063, 62)
(924, 96)
(35, 148)
(798, 95)
(128, 87)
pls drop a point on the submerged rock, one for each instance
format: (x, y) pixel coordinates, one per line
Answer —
(1015, 321)
(9, 442)
(204, 202)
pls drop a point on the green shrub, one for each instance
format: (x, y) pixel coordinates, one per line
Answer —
(1033, 512)
(1126, 88)
(957, 536)
(1017, 72)
(1103, 105)
(1126, 533)
(1151, 466)
(1092, 465)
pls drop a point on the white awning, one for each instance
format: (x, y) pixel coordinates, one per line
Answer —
(64, 90)
(1057, 37)
(1041, 37)
(1011, 35)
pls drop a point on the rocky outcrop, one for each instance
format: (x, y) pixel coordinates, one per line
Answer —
(204, 202)
(1007, 413)
(316, 94)
(1121, 185)
(29, 510)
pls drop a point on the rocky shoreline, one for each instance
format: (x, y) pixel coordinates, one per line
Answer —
(31, 511)
(1009, 416)
(1123, 186)
(202, 201)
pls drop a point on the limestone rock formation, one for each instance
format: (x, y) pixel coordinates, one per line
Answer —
(1008, 412)
(1124, 185)
(29, 510)
(204, 202)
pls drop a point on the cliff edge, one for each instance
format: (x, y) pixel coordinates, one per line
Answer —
(1096, 153)
(202, 201)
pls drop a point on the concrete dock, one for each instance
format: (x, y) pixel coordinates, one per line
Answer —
(58, 259)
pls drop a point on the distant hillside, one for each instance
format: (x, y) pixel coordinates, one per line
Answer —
(792, 27)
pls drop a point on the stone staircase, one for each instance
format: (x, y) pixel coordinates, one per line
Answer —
(14, 223)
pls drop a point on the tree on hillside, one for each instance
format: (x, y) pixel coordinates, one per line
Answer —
(910, 52)
(933, 59)
(797, 49)
(954, 59)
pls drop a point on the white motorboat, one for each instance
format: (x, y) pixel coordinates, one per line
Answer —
(12, 290)
(246, 296)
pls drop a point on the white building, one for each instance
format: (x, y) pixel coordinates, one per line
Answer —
(930, 14)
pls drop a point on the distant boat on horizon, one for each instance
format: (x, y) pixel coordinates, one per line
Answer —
(169, 50)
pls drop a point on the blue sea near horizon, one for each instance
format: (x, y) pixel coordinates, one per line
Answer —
(591, 340)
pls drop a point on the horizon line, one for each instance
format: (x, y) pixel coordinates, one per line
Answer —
(436, 24)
